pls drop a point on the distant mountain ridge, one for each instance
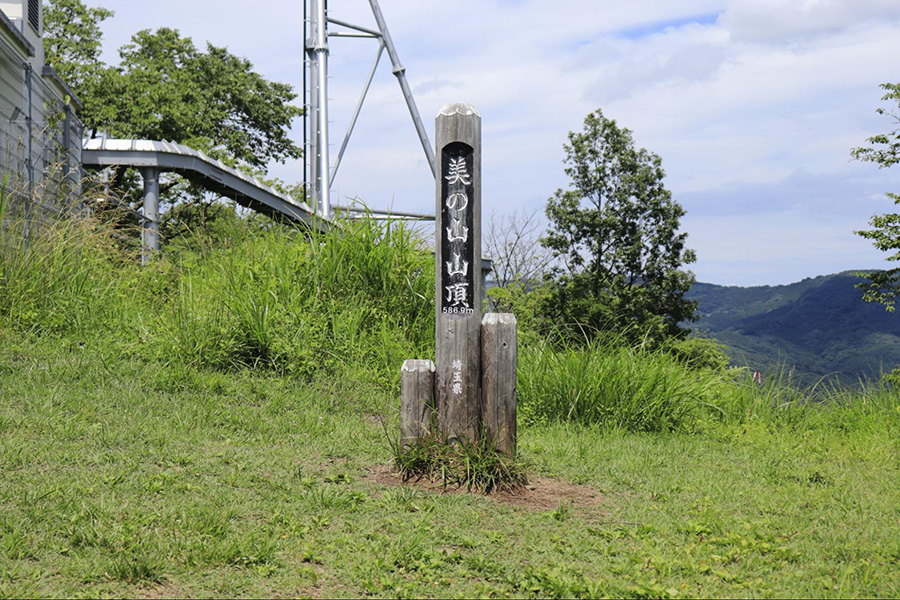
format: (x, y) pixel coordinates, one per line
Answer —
(818, 327)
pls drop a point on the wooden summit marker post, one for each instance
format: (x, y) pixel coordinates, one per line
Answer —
(471, 386)
(457, 381)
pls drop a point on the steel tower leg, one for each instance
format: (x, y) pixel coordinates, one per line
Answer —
(400, 71)
(317, 50)
(320, 172)
(362, 98)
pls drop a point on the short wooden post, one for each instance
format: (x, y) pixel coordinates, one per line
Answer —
(458, 273)
(498, 358)
(416, 400)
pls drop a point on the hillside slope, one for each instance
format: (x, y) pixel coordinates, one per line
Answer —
(817, 327)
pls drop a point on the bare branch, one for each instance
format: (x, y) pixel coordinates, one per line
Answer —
(513, 243)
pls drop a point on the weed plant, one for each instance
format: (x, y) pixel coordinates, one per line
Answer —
(475, 466)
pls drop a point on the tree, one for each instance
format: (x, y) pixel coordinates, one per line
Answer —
(884, 286)
(212, 101)
(520, 265)
(616, 234)
(166, 89)
(72, 44)
(510, 243)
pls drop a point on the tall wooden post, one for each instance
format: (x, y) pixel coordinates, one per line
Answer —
(458, 276)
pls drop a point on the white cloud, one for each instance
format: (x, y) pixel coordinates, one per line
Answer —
(772, 94)
(791, 21)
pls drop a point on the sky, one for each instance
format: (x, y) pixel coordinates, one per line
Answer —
(753, 106)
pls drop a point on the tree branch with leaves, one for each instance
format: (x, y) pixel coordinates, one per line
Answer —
(165, 88)
(884, 150)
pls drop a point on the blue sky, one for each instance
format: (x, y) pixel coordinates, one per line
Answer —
(753, 105)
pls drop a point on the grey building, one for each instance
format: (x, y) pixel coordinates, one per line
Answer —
(40, 133)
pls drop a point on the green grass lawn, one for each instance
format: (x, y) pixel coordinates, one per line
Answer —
(125, 477)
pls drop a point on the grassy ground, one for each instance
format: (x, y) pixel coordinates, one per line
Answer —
(218, 423)
(122, 477)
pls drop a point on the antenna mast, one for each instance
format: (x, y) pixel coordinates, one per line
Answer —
(321, 173)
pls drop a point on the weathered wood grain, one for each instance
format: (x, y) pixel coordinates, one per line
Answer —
(457, 322)
(416, 400)
(499, 355)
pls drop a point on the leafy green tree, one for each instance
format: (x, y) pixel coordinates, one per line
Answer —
(616, 236)
(212, 101)
(884, 286)
(165, 88)
(72, 45)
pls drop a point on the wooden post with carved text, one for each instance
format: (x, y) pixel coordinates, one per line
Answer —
(458, 276)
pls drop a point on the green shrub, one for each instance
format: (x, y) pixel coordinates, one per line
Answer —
(892, 379)
(476, 466)
(699, 353)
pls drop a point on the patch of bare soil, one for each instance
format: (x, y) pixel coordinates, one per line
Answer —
(541, 493)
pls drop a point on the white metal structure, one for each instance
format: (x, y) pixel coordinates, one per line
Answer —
(321, 173)
(153, 157)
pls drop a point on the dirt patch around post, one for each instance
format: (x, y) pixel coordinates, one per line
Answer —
(541, 493)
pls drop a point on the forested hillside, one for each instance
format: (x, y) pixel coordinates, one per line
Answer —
(818, 327)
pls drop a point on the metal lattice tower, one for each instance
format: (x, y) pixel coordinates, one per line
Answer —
(321, 173)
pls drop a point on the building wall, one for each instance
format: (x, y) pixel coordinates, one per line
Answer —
(40, 134)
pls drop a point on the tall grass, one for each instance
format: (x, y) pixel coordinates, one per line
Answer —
(358, 297)
(357, 301)
(62, 275)
(745, 399)
(612, 385)
(779, 401)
